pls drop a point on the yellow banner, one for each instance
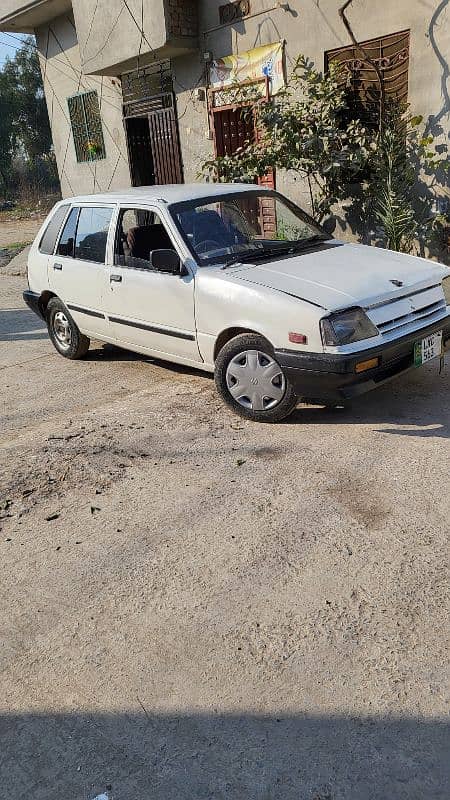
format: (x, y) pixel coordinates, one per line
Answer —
(252, 65)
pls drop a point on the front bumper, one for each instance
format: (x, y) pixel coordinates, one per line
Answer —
(331, 377)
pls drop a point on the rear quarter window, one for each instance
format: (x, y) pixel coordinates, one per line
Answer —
(48, 241)
(67, 240)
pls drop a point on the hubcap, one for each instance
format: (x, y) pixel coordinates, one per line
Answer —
(61, 329)
(255, 380)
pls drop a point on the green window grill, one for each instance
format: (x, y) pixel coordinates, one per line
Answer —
(86, 123)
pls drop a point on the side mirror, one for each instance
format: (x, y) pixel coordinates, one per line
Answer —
(166, 261)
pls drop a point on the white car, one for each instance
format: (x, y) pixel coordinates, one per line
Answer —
(236, 280)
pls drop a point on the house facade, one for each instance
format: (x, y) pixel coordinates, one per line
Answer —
(140, 91)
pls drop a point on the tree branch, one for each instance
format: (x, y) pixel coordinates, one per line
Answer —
(366, 57)
(311, 197)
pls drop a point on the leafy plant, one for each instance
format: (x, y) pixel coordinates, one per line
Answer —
(401, 212)
(304, 130)
(308, 129)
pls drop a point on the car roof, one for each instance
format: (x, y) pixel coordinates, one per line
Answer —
(168, 193)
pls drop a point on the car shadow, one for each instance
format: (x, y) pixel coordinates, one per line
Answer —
(112, 352)
(414, 404)
(21, 325)
(194, 756)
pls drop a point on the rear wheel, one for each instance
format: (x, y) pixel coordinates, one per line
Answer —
(64, 333)
(250, 380)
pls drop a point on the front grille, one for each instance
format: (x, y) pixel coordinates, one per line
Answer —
(427, 314)
(407, 312)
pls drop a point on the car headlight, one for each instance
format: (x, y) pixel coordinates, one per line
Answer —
(446, 289)
(345, 327)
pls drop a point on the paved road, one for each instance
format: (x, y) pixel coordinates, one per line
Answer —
(193, 606)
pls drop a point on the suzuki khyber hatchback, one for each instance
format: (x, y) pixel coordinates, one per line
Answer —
(236, 280)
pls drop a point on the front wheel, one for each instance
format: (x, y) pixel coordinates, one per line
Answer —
(251, 381)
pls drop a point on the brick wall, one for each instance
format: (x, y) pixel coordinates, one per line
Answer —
(183, 17)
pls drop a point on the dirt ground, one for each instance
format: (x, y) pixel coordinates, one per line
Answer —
(15, 235)
(194, 607)
(13, 231)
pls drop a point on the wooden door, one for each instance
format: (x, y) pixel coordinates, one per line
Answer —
(234, 127)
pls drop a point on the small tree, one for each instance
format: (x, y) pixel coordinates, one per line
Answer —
(8, 134)
(304, 130)
(25, 133)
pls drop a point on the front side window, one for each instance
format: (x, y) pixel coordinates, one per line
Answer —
(48, 241)
(139, 232)
(246, 224)
(67, 241)
(92, 234)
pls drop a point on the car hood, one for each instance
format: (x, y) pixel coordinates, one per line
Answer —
(338, 275)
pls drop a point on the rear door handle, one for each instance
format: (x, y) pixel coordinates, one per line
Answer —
(115, 278)
(57, 266)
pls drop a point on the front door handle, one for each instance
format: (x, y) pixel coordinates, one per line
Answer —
(115, 278)
(57, 266)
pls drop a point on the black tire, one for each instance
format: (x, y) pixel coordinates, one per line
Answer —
(58, 318)
(232, 350)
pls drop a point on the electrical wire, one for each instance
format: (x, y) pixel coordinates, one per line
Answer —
(141, 31)
(79, 74)
(100, 50)
(91, 24)
(29, 43)
(53, 59)
(140, 28)
(105, 126)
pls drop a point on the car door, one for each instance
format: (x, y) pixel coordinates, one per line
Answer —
(147, 309)
(77, 270)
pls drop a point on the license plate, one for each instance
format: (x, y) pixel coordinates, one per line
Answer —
(428, 348)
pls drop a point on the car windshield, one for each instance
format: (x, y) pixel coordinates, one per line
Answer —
(235, 227)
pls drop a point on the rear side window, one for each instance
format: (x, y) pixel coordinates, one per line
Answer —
(48, 241)
(92, 233)
(67, 240)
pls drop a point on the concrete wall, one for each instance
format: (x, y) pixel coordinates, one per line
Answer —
(60, 65)
(24, 16)
(312, 27)
(110, 38)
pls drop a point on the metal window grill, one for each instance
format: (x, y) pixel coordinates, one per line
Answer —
(86, 123)
(391, 54)
(146, 82)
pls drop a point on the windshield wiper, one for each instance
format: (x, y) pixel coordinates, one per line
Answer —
(269, 252)
(250, 255)
(303, 244)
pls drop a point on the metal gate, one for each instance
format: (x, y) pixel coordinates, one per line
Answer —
(391, 55)
(165, 146)
(151, 126)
